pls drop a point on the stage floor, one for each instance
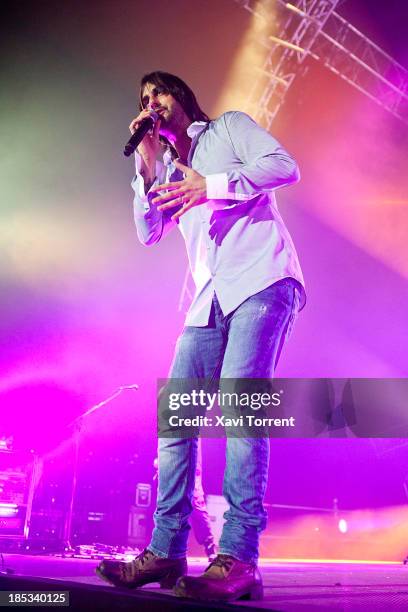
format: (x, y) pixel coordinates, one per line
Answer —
(289, 586)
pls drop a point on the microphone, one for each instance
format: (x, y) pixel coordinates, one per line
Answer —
(141, 131)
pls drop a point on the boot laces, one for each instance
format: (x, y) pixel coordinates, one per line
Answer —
(144, 556)
(131, 569)
(223, 561)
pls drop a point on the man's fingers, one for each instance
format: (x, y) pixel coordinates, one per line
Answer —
(167, 196)
(168, 186)
(170, 204)
(181, 212)
(181, 166)
(133, 126)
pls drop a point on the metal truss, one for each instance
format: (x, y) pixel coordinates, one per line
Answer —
(360, 62)
(312, 28)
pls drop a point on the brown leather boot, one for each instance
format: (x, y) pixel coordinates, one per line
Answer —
(145, 568)
(225, 579)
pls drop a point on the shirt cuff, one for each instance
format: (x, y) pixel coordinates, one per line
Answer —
(217, 186)
(141, 200)
(138, 184)
(218, 195)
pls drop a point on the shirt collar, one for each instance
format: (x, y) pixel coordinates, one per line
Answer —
(196, 128)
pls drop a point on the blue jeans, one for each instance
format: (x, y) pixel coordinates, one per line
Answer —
(199, 519)
(244, 344)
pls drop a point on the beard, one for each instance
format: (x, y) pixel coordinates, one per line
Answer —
(169, 123)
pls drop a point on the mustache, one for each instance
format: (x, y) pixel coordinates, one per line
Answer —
(156, 109)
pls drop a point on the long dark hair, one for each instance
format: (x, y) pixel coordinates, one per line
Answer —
(178, 89)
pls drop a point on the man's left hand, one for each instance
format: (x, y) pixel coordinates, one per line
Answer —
(192, 191)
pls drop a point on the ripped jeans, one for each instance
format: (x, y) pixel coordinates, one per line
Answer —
(245, 344)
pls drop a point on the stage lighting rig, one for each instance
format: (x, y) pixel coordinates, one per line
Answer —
(312, 28)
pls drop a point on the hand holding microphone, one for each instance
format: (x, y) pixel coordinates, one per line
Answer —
(147, 144)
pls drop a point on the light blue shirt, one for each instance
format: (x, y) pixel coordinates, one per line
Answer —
(237, 243)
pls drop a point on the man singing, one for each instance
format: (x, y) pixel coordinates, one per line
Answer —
(216, 180)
